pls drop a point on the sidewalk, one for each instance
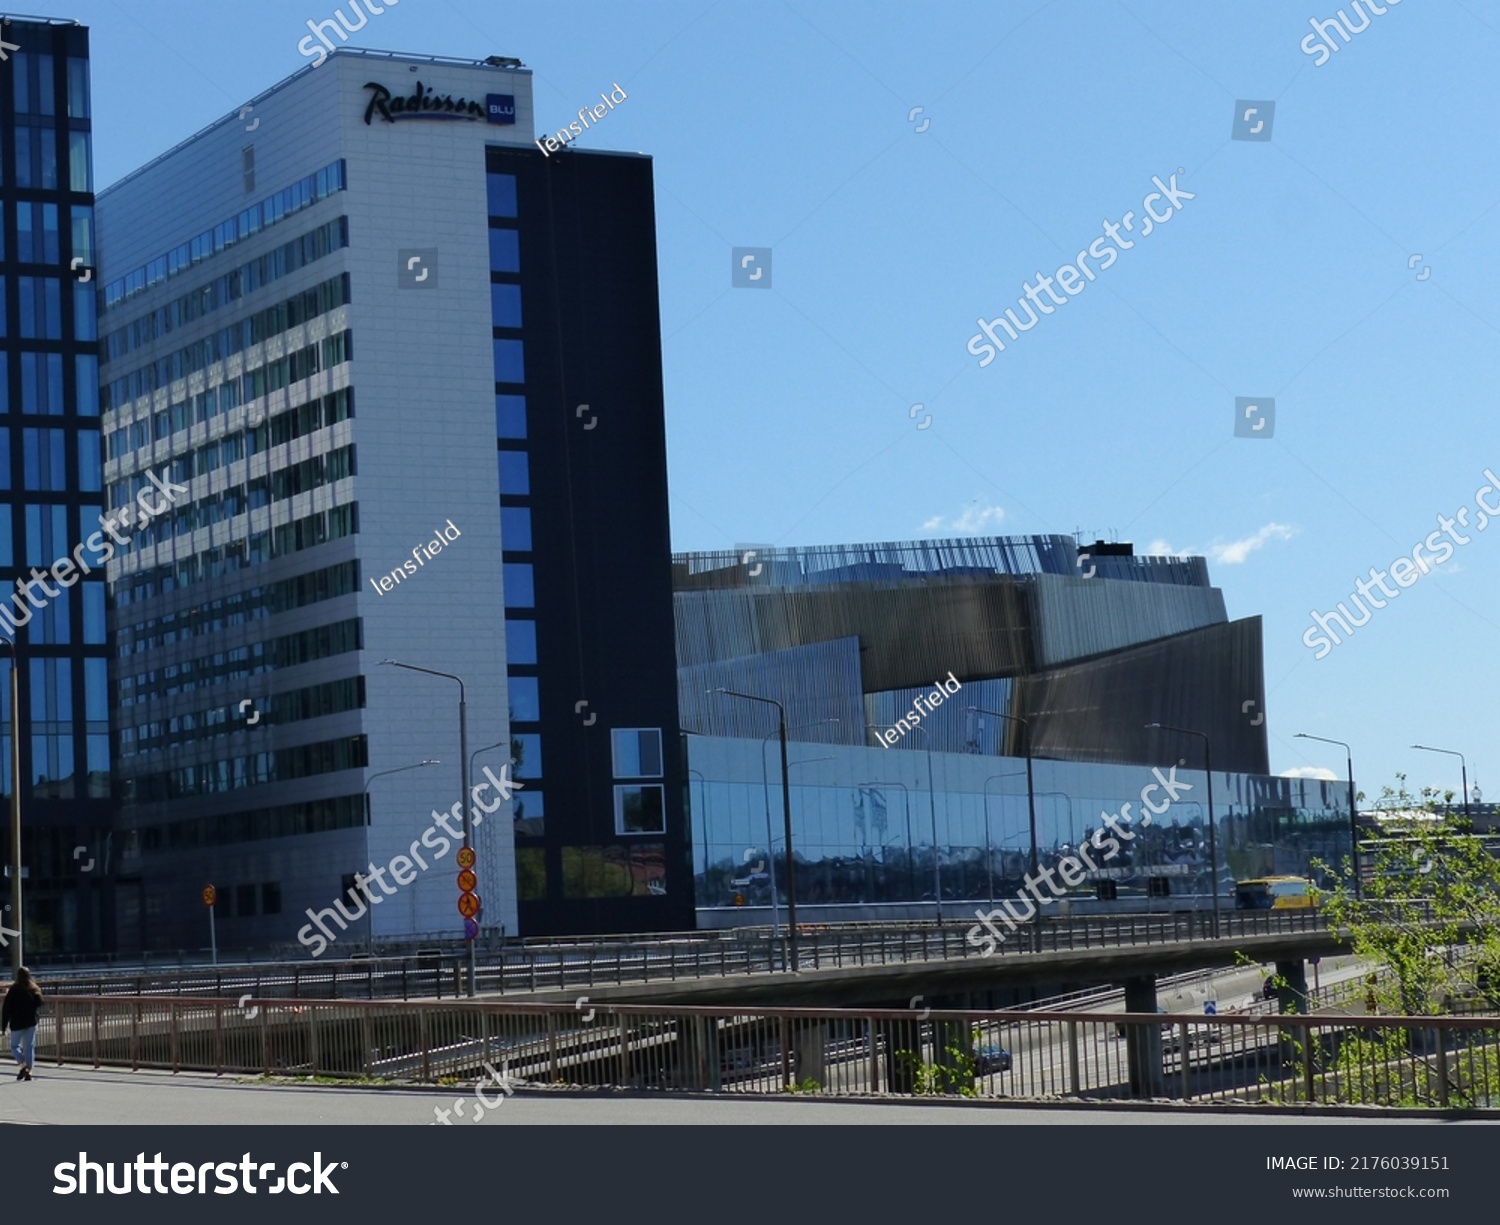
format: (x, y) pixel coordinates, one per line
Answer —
(84, 1095)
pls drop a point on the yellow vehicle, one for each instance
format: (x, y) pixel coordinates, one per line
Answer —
(1275, 893)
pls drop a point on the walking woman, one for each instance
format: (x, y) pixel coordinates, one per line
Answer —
(22, 1002)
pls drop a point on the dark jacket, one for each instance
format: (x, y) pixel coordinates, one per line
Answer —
(20, 1008)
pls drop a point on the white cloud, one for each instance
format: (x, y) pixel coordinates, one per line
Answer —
(977, 518)
(1232, 554)
(1235, 553)
(1320, 772)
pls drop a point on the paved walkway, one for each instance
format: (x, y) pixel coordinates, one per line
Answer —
(80, 1095)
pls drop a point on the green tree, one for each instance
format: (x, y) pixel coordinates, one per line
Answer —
(1430, 918)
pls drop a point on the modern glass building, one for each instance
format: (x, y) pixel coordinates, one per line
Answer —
(405, 369)
(51, 497)
(916, 676)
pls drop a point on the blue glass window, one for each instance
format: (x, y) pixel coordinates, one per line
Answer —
(502, 194)
(525, 699)
(520, 585)
(41, 383)
(96, 690)
(505, 249)
(85, 320)
(4, 459)
(87, 366)
(51, 623)
(7, 551)
(510, 364)
(46, 534)
(520, 642)
(515, 529)
(44, 462)
(529, 763)
(93, 612)
(515, 472)
(41, 308)
(90, 468)
(505, 306)
(510, 416)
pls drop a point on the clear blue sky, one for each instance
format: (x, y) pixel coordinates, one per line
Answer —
(785, 125)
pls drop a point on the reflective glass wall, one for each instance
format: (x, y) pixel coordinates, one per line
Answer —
(865, 822)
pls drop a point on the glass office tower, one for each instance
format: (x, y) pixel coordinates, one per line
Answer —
(50, 490)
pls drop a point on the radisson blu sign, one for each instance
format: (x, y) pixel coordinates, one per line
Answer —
(423, 103)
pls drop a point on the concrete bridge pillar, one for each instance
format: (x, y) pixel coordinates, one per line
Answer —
(1291, 996)
(1143, 1042)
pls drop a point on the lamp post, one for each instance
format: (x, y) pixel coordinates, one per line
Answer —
(1464, 765)
(370, 910)
(463, 774)
(786, 817)
(1353, 815)
(937, 859)
(1030, 780)
(15, 800)
(765, 783)
(1213, 840)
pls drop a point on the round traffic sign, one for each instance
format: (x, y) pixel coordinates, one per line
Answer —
(468, 904)
(210, 895)
(466, 857)
(471, 929)
(466, 881)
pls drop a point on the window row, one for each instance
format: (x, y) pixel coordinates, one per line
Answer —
(253, 330)
(304, 533)
(44, 463)
(52, 624)
(36, 164)
(297, 421)
(38, 238)
(210, 617)
(248, 770)
(270, 376)
(233, 285)
(42, 388)
(33, 76)
(285, 821)
(39, 309)
(196, 727)
(270, 211)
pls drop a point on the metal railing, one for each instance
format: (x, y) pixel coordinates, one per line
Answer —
(527, 970)
(1286, 1058)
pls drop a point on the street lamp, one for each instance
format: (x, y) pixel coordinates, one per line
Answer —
(937, 859)
(370, 910)
(1030, 780)
(463, 775)
(1213, 839)
(1353, 815)
(786, 816)
(15, 800)
(765, 783)
(1464, 765)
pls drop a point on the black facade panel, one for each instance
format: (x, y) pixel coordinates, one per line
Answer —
(601, 546)
(1209, 680)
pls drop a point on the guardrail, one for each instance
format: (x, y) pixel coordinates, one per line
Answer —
(560, 968)
(1285, 1058)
